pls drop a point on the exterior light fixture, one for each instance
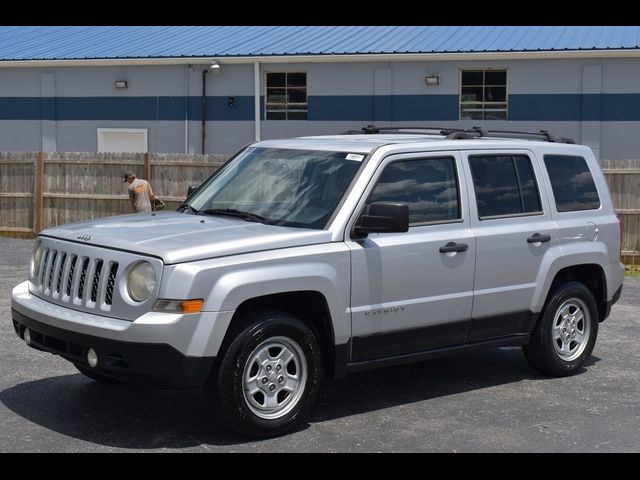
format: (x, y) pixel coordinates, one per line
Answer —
(432, 80)
(215, 67)
(121, 84)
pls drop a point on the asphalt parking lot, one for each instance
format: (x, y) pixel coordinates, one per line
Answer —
(484, 402)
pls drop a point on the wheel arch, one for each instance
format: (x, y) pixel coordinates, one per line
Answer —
(309, 306)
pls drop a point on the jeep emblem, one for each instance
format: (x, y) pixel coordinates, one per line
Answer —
(84, 237)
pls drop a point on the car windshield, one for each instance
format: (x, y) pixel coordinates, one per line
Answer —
(295, 188)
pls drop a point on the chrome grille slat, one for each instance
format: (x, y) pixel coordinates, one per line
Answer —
(46, 275)
(108, 294)
(61, 266)
(84, 265)
(52, 267)
(88, 281)
(43, 268)
(70, 274)
(55, 274)
(77, 266)
(93, 296)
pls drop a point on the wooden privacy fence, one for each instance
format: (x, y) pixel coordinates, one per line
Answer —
(623, 177)
(44, 189)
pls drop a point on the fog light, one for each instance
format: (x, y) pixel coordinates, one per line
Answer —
(92, 358)
(27, 336)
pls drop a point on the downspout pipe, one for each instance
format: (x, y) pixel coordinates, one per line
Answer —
(203, 107)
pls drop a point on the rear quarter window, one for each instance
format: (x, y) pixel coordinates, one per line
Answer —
(572, 183)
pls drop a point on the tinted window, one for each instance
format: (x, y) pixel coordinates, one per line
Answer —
(504, 185)
(428, 186)
(572, 183)
(528, 186)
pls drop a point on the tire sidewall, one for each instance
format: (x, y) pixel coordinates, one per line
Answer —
(564, 293)
(237, 413)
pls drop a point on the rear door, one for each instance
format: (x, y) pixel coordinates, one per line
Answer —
(512, 224)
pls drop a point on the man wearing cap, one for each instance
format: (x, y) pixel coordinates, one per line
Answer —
(140, 193)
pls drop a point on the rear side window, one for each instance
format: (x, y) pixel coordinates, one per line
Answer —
(428, 186)
(572, 183)
(505, 185)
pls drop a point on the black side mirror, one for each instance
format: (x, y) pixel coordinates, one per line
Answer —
(383, 217)
(191, 189)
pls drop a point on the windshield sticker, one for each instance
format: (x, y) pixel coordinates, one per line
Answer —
(355, 156)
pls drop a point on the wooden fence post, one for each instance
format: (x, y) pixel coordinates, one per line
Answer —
(39, 193)
(147, 167)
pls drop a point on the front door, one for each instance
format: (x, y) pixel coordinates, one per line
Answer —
(413, 291)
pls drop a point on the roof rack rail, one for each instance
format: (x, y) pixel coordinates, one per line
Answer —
(372, 129)
(464, 133)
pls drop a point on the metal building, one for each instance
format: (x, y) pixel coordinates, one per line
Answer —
(215, 89)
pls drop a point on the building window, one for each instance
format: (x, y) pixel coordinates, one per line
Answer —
(483, 95)
(286, 97)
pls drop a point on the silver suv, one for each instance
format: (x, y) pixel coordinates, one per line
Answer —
(317, 257)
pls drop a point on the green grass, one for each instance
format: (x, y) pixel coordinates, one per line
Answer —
(632, 270)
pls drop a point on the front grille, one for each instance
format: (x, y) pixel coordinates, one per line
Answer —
(77, 279)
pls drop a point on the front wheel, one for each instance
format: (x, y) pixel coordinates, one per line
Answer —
(566, 332)
(268, 377)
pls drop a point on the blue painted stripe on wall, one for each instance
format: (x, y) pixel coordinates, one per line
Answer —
(424, 107)
(21, 108)
(545, 107)
(340, 107)
(607, 107)
(363, 108)
(383, 108)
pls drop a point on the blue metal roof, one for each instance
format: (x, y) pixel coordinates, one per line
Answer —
(103, 42)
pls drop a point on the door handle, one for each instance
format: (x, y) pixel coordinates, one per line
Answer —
(454, 247)
(539, 238)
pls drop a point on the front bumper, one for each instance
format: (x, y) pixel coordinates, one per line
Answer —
(160, 348)
(141, 363)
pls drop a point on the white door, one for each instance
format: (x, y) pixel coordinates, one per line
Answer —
(120, 140)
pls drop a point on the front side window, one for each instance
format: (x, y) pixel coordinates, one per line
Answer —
(286, 97)
(483, 95)
(504, 185)
(572, 183)
(428, 186)
(294, 188)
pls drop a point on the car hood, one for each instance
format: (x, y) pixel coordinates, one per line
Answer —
(181, 237)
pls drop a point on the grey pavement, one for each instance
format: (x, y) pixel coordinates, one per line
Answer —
(483, 402)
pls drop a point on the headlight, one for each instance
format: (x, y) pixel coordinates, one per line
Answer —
(141, 281)
(37, 259)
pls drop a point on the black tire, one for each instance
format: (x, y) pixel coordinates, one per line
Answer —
(541, 353)
(97, 377)
(225, 386)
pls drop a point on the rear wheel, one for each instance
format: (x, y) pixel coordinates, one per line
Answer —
(566, 333)
(268, 376)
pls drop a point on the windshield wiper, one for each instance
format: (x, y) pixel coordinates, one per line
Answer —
(251, 217)
(186, 206)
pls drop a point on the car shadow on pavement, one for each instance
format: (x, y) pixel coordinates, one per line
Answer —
(140, 418)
